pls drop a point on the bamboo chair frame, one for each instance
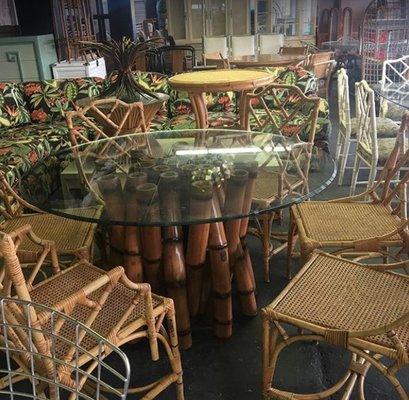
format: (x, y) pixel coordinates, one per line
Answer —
(122, 118)
(367, 139)
(364, 344)
(104, 301)
(299, 156)
(394, 82)
(344, 138)
(386, 196)
(18, 212)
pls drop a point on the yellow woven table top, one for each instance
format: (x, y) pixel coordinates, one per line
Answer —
(221, 77)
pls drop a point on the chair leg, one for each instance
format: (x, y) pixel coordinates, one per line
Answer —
(372, 176)
(290, 244)
(355, 173)
(343, 161)
(175, 362)
(269, 340)
(340, 145)
(265, 238)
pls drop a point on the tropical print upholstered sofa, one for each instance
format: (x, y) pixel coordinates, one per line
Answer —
(33, 128)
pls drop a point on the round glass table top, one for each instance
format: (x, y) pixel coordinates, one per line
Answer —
(182, 177)
(394, 92)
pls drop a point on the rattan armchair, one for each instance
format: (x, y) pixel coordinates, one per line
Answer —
(73, 239)
(106, 302)
(361, 308)
(372, 221)
(282, 110)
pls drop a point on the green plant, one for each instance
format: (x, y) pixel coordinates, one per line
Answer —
(122, 55)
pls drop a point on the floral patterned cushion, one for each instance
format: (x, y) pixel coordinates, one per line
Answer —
(13, 108)
(297, 76)
(180, 103)
(23, 147)
(217, 119)
(323, 123)
(48, 100)
(385, 127)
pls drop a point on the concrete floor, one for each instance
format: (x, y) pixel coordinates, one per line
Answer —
(231, 370)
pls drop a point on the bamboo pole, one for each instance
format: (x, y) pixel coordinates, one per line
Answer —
(200, 206)
(221, 276)
(173, 258)
(111, 190)
(151, 238)
(252, 169)
(235, 193)
(133, 263)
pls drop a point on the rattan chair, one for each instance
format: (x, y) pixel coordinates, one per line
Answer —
(356, 223)
(370, 150)
(103, 119)
(348, 126)
(106, 302)
(73, 239)
(13, 383)
(282, 110)
(361, 308)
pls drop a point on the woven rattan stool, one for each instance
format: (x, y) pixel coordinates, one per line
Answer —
(362, 308)
(106, 302)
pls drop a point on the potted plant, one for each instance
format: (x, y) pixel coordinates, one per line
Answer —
(121, 55)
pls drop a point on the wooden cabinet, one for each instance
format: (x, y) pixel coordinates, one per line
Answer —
(25, 58)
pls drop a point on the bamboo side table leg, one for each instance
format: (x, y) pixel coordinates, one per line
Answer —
(235, 192)
(200, 206)
(199, 108)
(111, 190)
(173, 258)
(221, 277)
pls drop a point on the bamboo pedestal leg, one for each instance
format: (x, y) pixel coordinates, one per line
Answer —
(111, 190)
(243, 273)
(221, 277)
(252, 170)
(199, 108)
(173, 258)
(151, 237)
(133, 263)
(200, 204)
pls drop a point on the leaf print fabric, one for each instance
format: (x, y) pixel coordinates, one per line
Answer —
(13, 108)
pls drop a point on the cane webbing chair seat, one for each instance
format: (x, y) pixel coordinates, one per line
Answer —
(70, 236)
(339, 222)
(56, 290)
(351, 297)
(385, 127)
(362, 308)
(267, 187)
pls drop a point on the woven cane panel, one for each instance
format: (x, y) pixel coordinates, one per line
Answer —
(337, 294)
(112, 311)
(66, 233)
(266, 187)
(325, 221)
(59, 288)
